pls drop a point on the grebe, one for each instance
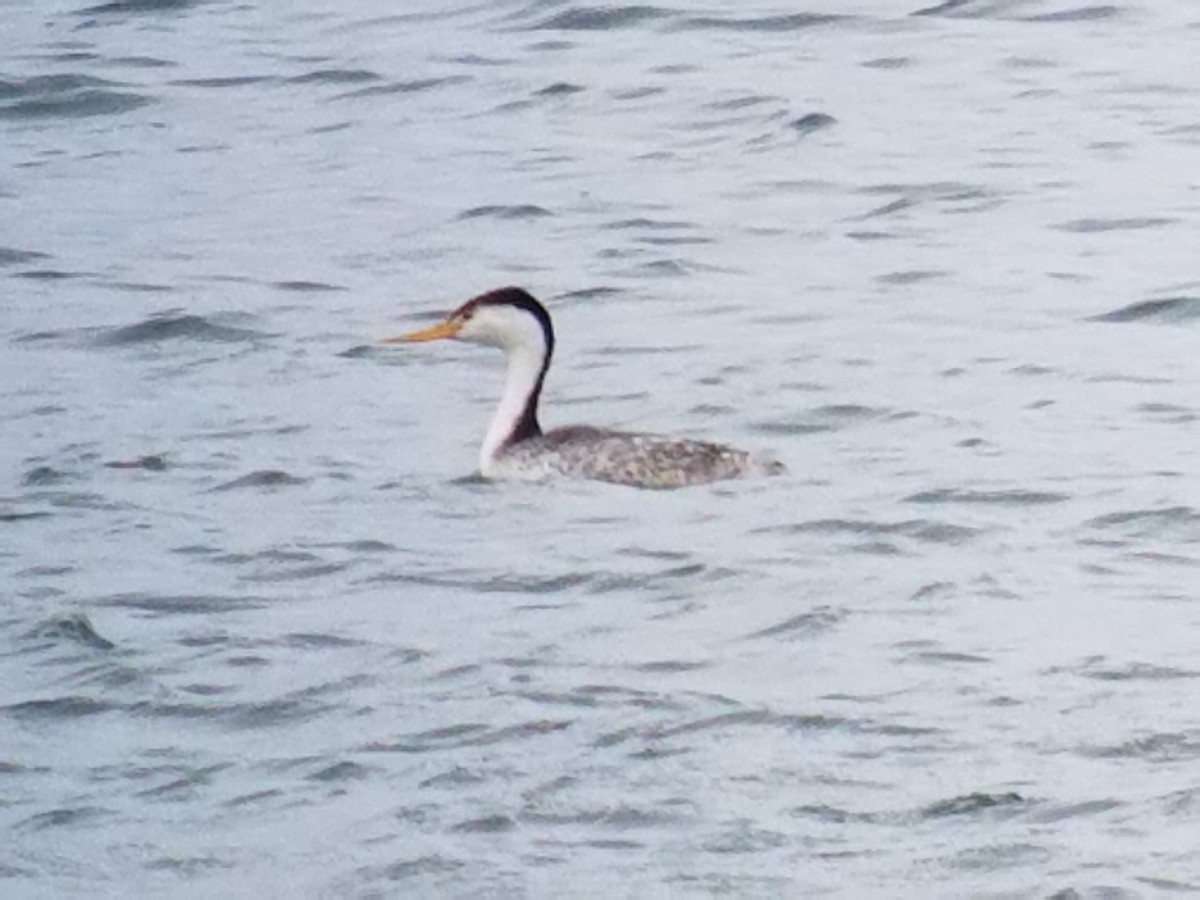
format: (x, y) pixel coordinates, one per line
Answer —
(515, 445)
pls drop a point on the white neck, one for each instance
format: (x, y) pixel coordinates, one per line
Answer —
(524, 366)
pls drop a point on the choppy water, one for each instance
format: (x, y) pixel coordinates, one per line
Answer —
(262, 635)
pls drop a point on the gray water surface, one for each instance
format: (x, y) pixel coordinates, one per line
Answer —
(263, 634)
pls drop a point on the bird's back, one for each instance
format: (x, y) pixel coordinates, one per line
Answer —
(631, 458)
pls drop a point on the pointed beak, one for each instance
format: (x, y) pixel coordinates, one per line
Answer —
(447, 329)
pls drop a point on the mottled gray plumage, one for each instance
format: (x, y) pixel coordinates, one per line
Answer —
(629, 458)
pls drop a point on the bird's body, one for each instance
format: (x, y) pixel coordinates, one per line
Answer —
(622, 457)
(515, 446)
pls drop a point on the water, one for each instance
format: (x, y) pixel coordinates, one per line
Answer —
(261, 634)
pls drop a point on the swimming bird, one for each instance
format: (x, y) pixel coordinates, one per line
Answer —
(515, 445)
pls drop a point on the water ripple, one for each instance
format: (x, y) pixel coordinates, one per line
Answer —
(264, 478)
(224, 81)
(468, 735)
(182, 604)
(76, 628)
(335, 76)
(812, 122)
(417, 867)
(1008, 9)
(1093, 226)
(1015, 497)
(806, 625)
(833, 417)
(70, 707)
(418, 85)
(65, 96)
(1161, 747)
(924, 530)
(494, 824)
(516, 212)
(141, 6)
(259, 715)
(559, 89)
(67, 816)
(10, 256)
(776, 23)
(1179, 522)
(602, 18)
(1079, 14)
(175, 326)
(1168, 310)
(154, 462)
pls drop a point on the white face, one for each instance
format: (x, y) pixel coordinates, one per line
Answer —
(503, 326)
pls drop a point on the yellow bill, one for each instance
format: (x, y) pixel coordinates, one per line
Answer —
(447, 329)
